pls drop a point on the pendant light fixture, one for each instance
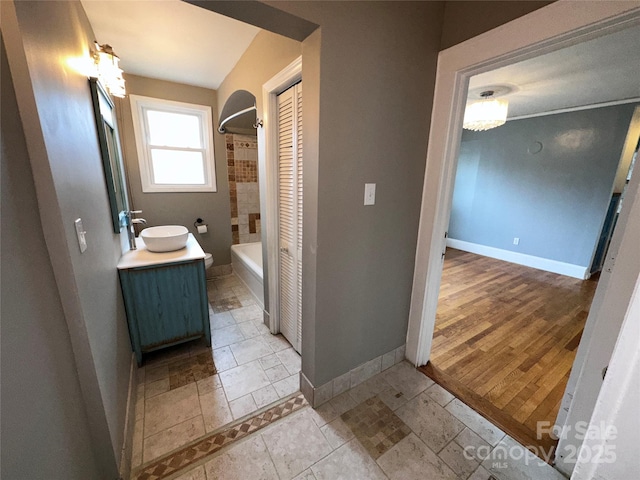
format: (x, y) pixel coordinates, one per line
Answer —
(486, 113)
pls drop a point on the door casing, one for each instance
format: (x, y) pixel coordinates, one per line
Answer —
(268, 156)
(548, 29)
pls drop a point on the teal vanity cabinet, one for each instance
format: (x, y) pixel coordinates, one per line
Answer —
(166, 303)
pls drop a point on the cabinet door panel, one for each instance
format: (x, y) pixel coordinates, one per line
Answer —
(168, 303)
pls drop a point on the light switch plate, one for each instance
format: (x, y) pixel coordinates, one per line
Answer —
(369, 193)
(81, 234)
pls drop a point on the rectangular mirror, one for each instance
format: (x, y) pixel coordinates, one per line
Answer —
(111, 153)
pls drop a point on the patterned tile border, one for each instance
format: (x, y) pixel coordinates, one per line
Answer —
(185, 457)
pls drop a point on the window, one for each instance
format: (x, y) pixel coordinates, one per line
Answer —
(175, 145)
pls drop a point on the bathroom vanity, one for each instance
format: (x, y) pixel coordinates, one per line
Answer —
(165, 296)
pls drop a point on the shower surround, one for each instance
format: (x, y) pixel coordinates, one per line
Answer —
(242, 162)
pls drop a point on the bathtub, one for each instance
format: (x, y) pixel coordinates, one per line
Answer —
(246, 259)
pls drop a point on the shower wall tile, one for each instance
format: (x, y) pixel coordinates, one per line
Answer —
(246, 170)
(244, 191)
(254, 223)
(245, 141)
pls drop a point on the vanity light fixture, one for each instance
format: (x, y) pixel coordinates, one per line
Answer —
(107, 69)
(486, 113)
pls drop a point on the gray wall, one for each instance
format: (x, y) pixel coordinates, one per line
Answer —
(60, 131)
(554, 201)
(44, 426)
(368, 76)
(368, 91)
(365, 255)
(267, 54)
(466, 19)
(179, 208)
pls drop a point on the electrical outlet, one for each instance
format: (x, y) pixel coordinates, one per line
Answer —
(516, 241)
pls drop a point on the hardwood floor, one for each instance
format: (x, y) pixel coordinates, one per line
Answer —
(505, 339)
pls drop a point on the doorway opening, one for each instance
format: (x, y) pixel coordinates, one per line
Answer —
(249, 366)
(290, 198)
(516, 288)
(281, 153)
(456, 72)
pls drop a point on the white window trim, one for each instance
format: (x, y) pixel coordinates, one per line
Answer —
(138, 104)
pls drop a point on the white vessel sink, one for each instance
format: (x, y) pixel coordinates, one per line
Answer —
(165, 238)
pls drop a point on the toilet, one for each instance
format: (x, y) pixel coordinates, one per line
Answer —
(208, 262)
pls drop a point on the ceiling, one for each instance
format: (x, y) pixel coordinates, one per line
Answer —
(173, 40)
(170, 39)
(601, 70)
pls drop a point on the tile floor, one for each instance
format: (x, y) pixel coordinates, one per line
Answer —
(396, 425)
(182, 396)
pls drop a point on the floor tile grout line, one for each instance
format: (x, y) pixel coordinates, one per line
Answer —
(437, 454)
(171, 426)
(165, 429)
(191, 353)
(295, 399)
(333, 450)
(144, 411)
(454, 438)
(202, 461)
(304, 404)
(270, 456)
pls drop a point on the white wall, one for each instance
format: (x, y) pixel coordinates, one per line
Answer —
(603, 326)
(614, 452)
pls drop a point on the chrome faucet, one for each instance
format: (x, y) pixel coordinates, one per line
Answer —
(130, 226)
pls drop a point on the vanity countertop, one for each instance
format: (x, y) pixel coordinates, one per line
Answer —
(144, 258)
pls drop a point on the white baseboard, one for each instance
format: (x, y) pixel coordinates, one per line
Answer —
(561, 268)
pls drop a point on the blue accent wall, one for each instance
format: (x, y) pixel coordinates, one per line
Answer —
(546, 180)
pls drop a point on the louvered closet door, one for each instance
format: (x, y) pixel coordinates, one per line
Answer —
(290, 213)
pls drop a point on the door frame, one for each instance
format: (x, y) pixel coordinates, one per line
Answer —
(550, 28)
(268, 155)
